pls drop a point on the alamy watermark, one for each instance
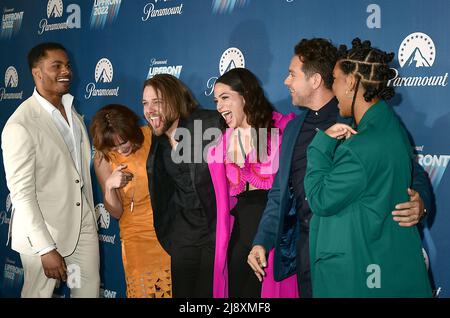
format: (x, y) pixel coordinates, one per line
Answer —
(266, 151)
(374, 278)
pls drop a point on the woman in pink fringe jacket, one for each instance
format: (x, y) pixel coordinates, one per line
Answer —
(243, 165)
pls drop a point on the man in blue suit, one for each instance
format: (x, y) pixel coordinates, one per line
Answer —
(285, 222)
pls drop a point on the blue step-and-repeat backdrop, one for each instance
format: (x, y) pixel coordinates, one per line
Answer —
(115, 45)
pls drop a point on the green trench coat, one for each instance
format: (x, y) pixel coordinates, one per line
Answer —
(356, 248)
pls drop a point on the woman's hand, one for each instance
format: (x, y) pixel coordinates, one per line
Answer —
(340, 131)
(119, 178)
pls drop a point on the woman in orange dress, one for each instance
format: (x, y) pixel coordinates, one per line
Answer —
(122, 148)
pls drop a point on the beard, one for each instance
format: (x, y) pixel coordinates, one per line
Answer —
(162, 130)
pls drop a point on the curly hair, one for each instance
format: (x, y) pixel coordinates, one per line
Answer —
(318, 56)
(370, 66)
(112, 120)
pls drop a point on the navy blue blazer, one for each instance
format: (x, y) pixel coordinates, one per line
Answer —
(279, 226)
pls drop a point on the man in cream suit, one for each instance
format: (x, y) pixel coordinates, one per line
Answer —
(46, 153)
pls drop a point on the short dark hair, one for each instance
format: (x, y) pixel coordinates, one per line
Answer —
(370, 66)
(318, 56)
(38, 52)
(115, 119)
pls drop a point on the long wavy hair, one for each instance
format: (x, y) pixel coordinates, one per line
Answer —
(257, 108)
(179, 101)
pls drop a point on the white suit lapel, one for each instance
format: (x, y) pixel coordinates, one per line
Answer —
(49, 127)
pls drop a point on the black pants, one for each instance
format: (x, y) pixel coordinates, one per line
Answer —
(242, 281)
(192, 271)
(303, 264)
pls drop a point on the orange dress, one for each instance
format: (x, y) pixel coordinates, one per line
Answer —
(146, 263)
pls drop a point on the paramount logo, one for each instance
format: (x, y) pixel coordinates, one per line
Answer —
(55, 10)
(107, 238)
(231, 58)
(11, 81)
(417, 51)
(104, 73)
(150, 11)
(434, 80)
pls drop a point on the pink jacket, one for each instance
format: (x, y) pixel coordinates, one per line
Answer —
(225, 202)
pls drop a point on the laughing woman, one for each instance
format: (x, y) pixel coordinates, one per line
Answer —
(122, 148)
(242, 176)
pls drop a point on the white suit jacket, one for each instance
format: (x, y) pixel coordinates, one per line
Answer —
(45, 186)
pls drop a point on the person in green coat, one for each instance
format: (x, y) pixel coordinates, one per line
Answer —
(354, 178)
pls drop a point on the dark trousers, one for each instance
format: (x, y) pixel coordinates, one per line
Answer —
(242, 281)
(303, 264)
(192, 271)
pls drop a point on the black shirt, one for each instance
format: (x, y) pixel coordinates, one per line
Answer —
(190, 223)
(321, 119)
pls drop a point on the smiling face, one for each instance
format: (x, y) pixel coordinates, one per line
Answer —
(230, 104)
(154, 110)
(123, 147)
(299, 85)
(53, 75)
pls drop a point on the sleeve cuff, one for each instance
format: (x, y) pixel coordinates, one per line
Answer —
(47, 250)
(324, 143)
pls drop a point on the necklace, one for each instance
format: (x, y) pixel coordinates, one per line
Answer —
(132, 197)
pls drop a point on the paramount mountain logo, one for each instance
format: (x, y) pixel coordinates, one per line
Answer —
(228, 6)
(11, 81)
(104, 73)
(11, 77)
(417, 52)
(231, 58)
(55, 10)
(11, 23)
(103, 12)
(104, 219)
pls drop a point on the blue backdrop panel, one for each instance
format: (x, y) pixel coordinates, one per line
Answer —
(115, 45)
